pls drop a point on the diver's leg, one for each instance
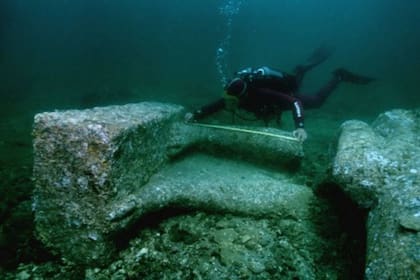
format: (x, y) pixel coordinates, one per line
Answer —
(316, 100)
(339, 75)
(316, 58)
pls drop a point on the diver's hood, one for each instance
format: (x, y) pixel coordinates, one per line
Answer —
(236, 87)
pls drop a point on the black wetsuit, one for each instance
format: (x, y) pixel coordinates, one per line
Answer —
(270, 92)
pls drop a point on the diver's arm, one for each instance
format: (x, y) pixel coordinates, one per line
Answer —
(296, 106)
(208, 109)
(284, 98)
(299, 132)
(298, 113)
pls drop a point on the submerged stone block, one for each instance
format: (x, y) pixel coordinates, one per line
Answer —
(98, 171)
(378, 166)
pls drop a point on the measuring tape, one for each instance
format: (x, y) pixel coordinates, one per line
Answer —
(247, 131)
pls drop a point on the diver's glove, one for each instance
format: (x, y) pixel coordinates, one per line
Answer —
(191, 117)
(300, 134)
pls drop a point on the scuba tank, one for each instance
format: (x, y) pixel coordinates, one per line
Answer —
(266, 77)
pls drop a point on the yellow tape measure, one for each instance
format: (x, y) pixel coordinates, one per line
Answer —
(247, 131)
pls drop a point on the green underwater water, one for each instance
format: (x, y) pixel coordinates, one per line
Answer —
(80, 54)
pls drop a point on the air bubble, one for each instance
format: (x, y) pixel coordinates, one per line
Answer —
(229, 9)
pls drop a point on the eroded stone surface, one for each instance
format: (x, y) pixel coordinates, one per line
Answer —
(77, 156)
(379, 167)
(217, 185)
(92, 170)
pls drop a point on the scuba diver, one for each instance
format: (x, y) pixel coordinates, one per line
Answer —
(267, 92)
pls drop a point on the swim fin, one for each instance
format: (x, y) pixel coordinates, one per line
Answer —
(347, 76)
(319, 55)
